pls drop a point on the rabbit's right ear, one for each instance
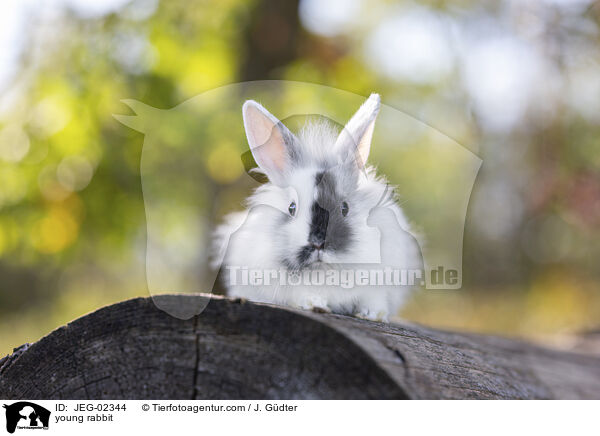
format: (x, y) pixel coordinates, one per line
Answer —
(270, 141)
(355, 139)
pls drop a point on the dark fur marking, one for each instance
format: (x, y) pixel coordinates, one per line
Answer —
(328, 226)
(339, 233)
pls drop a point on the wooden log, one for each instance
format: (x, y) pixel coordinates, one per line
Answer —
(241, 350)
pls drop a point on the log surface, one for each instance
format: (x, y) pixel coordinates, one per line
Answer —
(243, 350)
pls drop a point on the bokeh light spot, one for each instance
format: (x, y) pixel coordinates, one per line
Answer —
(14, 143)
(54, 232)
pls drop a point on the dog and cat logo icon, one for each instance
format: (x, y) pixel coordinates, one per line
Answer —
(26, 415)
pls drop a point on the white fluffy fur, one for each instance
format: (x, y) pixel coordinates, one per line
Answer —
(259, 237)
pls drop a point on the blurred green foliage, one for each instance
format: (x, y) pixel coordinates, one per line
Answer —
(72, 219)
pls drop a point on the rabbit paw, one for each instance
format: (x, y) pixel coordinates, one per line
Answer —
(372, 315)
(318, 309)
(315, 303)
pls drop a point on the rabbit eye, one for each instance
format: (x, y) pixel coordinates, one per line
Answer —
(345, 208)
(292, 208)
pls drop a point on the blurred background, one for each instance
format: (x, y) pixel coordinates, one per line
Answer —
(516, 82)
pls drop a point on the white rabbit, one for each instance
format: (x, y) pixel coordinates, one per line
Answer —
(323, 212)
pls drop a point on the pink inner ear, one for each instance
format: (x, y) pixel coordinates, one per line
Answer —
(275, 149)
(364, 145)
(266, 139)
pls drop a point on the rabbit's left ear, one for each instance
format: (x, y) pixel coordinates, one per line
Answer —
(356, 136)
(271, 143)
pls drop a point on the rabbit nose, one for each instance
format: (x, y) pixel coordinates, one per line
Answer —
(318, 245)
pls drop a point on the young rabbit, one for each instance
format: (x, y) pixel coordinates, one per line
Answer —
(323, 217)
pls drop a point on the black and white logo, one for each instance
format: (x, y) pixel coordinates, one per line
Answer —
(26, 415)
